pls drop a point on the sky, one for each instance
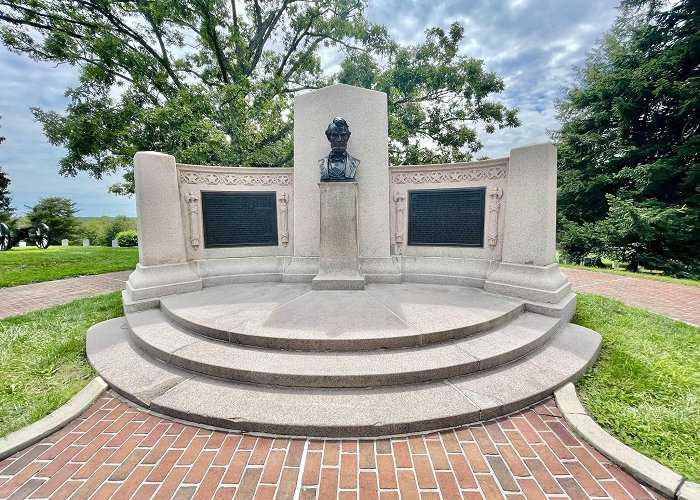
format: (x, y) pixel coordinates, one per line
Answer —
(532, 44)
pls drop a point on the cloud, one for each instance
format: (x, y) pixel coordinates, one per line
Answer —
(531, 45)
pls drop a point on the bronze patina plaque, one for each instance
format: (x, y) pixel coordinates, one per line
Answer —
(446, 217)
(239, 219)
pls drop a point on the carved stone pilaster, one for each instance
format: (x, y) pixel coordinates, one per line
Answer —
(494, 208)
(284, 216)
(400, 207)
(193, 209)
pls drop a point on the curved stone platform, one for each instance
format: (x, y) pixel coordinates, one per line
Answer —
(292, 316)
(420, 357)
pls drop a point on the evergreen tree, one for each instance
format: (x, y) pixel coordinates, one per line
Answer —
(629, 146)
(56, 212)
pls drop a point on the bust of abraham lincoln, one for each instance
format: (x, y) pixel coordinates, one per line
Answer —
(338, 166)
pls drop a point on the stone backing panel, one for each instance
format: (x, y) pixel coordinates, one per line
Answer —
(490, 174)
(195, 179)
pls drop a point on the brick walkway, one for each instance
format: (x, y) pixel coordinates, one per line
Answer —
(26, 298)
(678, 301)
(116, 451)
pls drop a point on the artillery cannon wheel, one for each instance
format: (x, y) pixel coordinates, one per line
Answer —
(42, 236)
(4, 237)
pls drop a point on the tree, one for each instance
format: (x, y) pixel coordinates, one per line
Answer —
(117, 225)
(57, 213)
(6, 211)
(629, 146)
(435, 96)
(212, 81)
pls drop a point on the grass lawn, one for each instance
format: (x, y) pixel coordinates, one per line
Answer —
(643, 274)
(19, 266)
(42, 358)
(645, 387)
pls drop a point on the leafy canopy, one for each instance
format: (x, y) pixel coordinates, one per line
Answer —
(212, 81)
(629, 146)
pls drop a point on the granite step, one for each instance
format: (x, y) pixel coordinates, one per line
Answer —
(360, 412)
(292, 316)
(154, 334)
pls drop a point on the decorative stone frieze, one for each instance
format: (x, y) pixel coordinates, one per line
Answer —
(226, 179)
(439, 176)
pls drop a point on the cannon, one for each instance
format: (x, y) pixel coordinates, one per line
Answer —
(11, 237)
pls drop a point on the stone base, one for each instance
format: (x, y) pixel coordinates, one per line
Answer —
(282, 358)
(148, 282)
(534, 283)
(338, 282)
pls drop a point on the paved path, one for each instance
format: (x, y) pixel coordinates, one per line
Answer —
(117, 451)
(678, 301)
(26, 298)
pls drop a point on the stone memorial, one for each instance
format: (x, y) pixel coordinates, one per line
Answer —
(86, 242)
(22, 244)
(115, 243)
(344, 296)
(64, 243)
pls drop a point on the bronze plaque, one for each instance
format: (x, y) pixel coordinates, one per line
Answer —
(446, 217)
(238, 219)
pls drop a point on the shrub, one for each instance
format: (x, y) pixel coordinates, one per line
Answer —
(127, 238)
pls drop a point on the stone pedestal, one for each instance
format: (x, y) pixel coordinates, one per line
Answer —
(339, 265)
(163, 268)
(529, 268)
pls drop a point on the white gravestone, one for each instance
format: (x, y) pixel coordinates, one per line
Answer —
(23, 244)
(64, 243)
(115, 243)
(86, 243)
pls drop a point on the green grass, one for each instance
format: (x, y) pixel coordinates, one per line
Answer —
(645, 386)
(42, 358)
(643, 274)
(19, 266)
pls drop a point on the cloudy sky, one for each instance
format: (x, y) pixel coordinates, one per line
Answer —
(532, 44)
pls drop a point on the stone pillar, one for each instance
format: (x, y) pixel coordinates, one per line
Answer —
(339, 267)
(163, 268)
(366, 114)
(529, 266)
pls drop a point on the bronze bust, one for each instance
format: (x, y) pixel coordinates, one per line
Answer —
(338, 166)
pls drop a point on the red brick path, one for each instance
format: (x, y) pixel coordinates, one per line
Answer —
(117, 451)
(678, 301)
(26, 298)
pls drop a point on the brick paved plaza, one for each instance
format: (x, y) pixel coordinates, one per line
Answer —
(117, 451)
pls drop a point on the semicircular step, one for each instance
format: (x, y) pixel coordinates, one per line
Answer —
(171, 344)
(292, 316)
